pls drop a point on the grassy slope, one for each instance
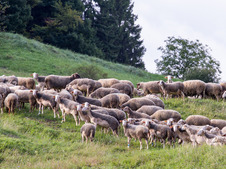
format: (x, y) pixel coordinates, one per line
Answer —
(31, 141)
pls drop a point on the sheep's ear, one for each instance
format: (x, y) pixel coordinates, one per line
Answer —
(54, 97)
(120, 121)
(158, 82)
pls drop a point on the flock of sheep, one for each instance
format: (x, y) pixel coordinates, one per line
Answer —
(109, 102)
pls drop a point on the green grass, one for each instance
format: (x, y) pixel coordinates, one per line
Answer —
(28, 140)
(22, 56)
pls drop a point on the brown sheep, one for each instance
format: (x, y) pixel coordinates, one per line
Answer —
(197, 120)
(123, 88)
(194, 88)
(213, 90)
(59, 82)
(11, 101)
(149, 110)
(137, 93)
(218, 123)
(110, 101)
(156, 100)
(9, 79)
(88, 131)
(26, 82)
(108, 82)
(102, 91)
(151, 87)
(122, 98)
(128, 82)
(136, 115)
(97, 85)
(166, 114)
(136, 103)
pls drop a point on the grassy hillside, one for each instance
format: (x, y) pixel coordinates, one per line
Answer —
(22, 56)
(28, 140)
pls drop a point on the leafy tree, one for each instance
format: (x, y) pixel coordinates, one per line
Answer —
(181, 56)
(3, 7)
(17, 15)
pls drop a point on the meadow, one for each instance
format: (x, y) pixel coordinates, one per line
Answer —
(29, 140)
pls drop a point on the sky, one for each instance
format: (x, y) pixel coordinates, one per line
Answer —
(204, 20)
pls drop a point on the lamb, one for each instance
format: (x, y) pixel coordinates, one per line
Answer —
(88, 131)
(67, 107)
(197, 120)
(156, 100)
(133, 114)
(162, 132)
(81, 99)
(110, 101)
(216, 131)
(182, 134)
(108, 82)
(9, 79)
(149, 110)
(206, 136)
(219, 140)
(102, 120)
(83, 84)
(128, 82)
(25, 96)
(102, 91)
(218, 123)
(40, 80)
(46, 100)
(26, 82)
(194, 88)
(59, 82)
(213, 90)
(166, 114)
(11, 101)
(169, 79)
(122, 98)
(151, 87)
(135, 131)
(123, 88)
(136, 103)
(83, 115)
(171, 88)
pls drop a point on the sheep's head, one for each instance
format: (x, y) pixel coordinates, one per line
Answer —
(35, 75)
(124, 123)
(138, 85)
(79, 108)
(57, 98)
(76, 76)
(126, 109)
(201, 132)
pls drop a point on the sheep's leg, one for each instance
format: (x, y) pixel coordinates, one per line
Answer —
(1, 110)
(86, 139)
(75, 118)
(129, 141)
(82, 136)
(146, 142)
(62, 116)
(140, 144)
(164, 142)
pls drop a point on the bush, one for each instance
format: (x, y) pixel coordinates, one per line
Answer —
(90, 71)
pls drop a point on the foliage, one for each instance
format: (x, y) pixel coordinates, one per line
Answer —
(204, 74)
(90, 71)
(3, 7)
(179, 55)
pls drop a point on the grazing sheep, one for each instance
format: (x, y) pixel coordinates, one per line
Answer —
(83, 84)
(128, 82)
(151, 87)
(223, 85)
(169, 79)
(14, 88)
(122, 98)
(108, 82)
(123, 88)
(137, 93)
(218, 123)
(194, 88)
(197, 120)
(156, 100)
(136, 115)
(213, 90)
(81, 99)
(166, 114)
(59, 82)
(136, 103)
(135, 131)
(191, 132)
(149, 110)
(65, 94)
(11, 101)
(40, 80)
(46, 100)
(182, 134)
(67, 107)
(88, 131)
(216, 131)
(25, 96)
(206, 137)
(102, 120)
(219, 140)
(26, 82)
(9, 79)
(110, 101)
(162, 132)
(176, 88)
(102, 91)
